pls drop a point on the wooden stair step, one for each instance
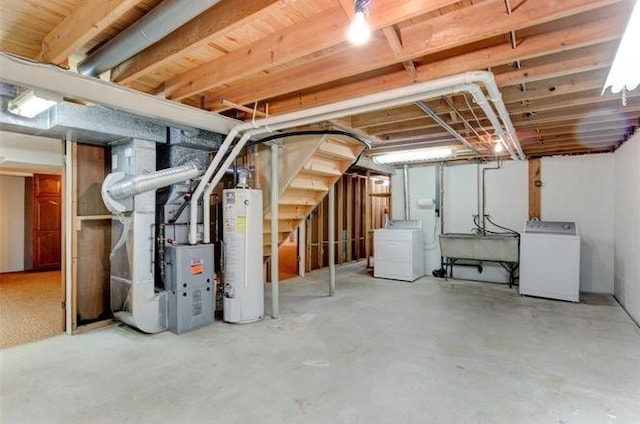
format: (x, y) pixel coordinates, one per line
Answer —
(290, 212)
(300, 197)
(336, 148)
(306, 181)
(321, 166)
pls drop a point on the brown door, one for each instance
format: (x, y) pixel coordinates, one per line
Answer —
(44, 221)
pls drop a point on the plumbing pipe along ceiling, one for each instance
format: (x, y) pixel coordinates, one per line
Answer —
(268, 57)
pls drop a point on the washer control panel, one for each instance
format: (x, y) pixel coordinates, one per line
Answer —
(551, 227)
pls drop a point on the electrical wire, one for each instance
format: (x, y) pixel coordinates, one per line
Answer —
(355, 136)
(501, 227)
(464, 96)
(462, 118)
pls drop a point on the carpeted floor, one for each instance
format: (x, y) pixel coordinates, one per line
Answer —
(30, 307)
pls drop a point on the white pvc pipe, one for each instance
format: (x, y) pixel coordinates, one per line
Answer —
(332, 241)
(409, 94)
(481, 100)
(275, 192)
(193, 211)
(495, 96)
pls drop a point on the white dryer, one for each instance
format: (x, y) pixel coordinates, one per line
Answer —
(398, 250)
(550, 260)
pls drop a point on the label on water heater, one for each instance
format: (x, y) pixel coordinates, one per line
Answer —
(241, 224)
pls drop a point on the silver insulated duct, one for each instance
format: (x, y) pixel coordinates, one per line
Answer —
(152, 27)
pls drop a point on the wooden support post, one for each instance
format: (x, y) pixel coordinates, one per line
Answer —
(358, 216)
(340, 217)
(368, 208)
(350, 203)
(332, 245)
(535, 185)
(321, 234)
(309, 240)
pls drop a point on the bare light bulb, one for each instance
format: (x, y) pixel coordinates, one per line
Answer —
(359, 31)
(498, 147)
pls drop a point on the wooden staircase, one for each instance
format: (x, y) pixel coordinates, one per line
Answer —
(308, 166)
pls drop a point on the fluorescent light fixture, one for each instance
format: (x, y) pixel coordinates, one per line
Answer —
(29, 104)
(416, 155)
(359, 30)
(624, 74)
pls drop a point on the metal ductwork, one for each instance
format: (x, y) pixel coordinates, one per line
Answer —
(152, 27)
(119, 187)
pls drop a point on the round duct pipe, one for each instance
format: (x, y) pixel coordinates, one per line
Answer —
(152, 27)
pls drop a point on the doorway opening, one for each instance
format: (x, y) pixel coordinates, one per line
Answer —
(31, 283)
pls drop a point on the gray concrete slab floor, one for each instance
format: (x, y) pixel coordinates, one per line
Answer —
(380, 351)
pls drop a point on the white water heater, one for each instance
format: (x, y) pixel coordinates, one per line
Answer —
(242, 235)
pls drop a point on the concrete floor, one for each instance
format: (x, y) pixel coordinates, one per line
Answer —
(379, 352)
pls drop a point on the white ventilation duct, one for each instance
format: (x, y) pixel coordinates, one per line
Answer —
(152, 27)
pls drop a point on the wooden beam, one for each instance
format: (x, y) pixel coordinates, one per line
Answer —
(610, 110)
(84, 23)
(290, 44)
(571, 100)
(423, 38)
(560, 86)
(572, 40)
(535, 185)
(597, 56)
(392, 34)
(221, 19)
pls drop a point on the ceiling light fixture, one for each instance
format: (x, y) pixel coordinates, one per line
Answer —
(29, 103)
(499, 147)
(624, 74)
(416, 155)
(359, 30)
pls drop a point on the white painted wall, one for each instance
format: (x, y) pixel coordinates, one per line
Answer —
(627, 226)
(11, 223)
(577, 188)
(20, 153)
(581, 189)
(30, 152)
(506, 198)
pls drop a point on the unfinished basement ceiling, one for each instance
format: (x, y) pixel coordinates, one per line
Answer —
(550, 59)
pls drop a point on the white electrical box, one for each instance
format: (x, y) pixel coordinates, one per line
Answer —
(242, 217)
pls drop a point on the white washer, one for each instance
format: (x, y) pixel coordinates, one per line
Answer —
(550, 260)
(399, 250)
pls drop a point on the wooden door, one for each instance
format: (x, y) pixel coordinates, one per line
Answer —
(43, 221)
